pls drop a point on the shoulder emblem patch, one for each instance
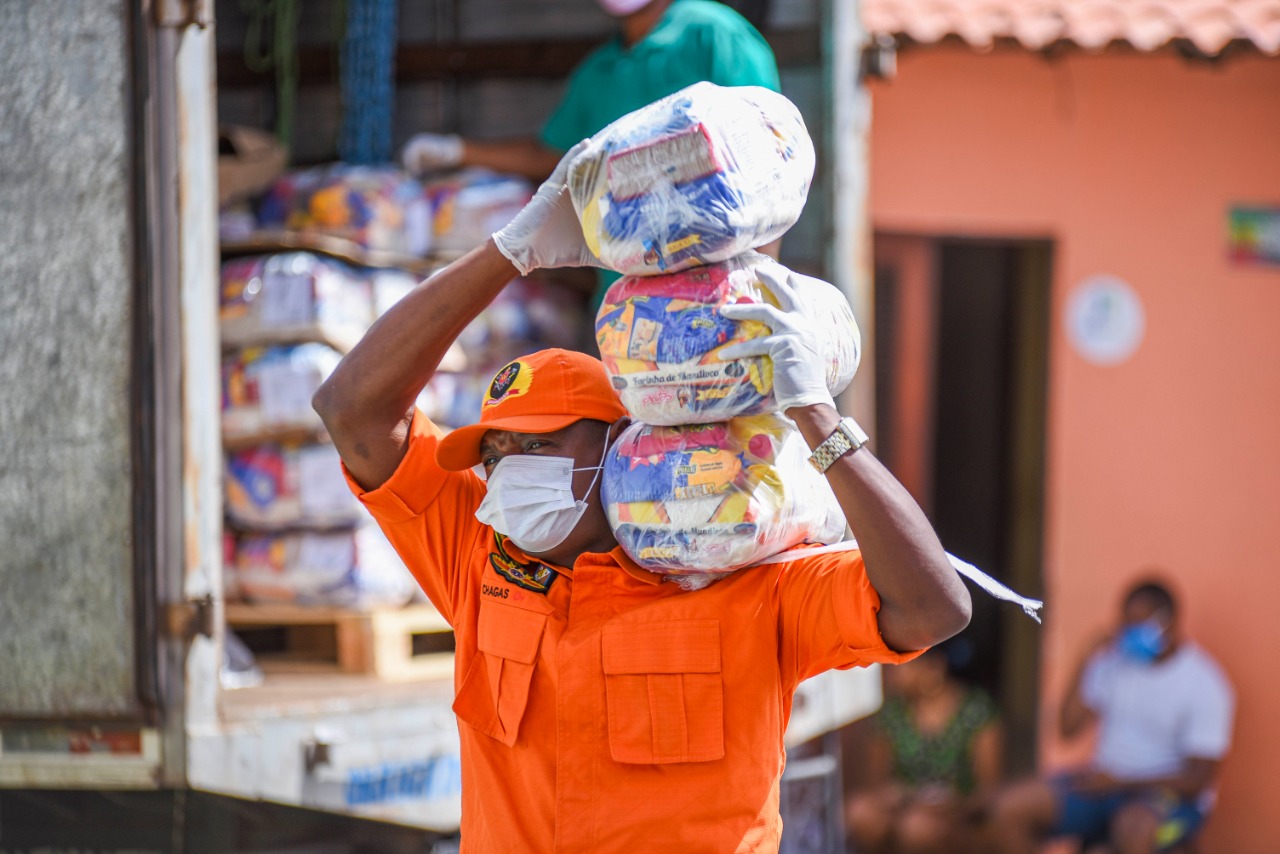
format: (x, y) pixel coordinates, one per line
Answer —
(535, 576)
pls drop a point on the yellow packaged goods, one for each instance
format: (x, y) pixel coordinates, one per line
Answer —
(708, 499)
(274, 486)
(660, 339)
(697, 177)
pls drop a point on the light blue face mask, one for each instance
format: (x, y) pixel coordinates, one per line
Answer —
(1143, 642)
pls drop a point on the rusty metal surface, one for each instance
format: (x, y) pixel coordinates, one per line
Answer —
(66, 603)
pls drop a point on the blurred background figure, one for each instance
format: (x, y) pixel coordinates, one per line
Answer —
(1163, 710)
(933, 754)
(661, 47)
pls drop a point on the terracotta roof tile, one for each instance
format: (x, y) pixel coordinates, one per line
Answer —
(1092, 24)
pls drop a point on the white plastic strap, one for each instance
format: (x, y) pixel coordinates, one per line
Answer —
(1032, 607)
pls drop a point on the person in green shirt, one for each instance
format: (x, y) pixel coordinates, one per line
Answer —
(661, 47)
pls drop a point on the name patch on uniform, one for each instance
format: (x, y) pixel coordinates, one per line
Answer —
(533, 576)
(495, 592)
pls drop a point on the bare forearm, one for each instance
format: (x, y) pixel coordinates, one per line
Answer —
(1075, 715)
(526, 157)
(922, 600)
(1194, 778)
(365, 402)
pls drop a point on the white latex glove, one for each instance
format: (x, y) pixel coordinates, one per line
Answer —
(429, 151)
(799, 369)
(546, 232)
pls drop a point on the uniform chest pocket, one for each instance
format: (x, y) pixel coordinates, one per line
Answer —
(495, 691)
(665, 695)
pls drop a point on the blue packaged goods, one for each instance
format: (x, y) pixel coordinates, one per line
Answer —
(697, 177)
(273, 486)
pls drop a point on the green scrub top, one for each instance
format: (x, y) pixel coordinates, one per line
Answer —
(695, 40)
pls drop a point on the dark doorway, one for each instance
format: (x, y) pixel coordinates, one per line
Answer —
(961, 359)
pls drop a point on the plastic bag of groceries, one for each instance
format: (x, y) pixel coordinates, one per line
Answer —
(350, 568)
(660, 338)
(301, 296)
(709, 499)
(267, 391)
(697, 177)
(273, 486)
(376, 207)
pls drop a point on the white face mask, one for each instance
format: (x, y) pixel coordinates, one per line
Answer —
(530, 499)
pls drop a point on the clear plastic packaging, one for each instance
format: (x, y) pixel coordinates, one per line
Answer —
(272, 486)
(352, 568)
(660, 337)
(267, 391)
(704, 500)
(697, 177)
(301, 296)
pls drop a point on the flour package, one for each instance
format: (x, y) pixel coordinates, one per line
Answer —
(350, 568)
(704, 500)
(267, 391)
(697, 177)
(660, 338)
(274, 486)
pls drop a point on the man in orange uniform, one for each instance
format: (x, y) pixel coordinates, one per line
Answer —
(600, 709)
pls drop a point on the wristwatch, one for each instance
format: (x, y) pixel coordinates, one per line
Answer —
(847, 437)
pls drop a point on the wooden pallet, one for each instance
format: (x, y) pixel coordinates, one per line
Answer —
(394, 644)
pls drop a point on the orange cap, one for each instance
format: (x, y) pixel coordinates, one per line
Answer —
(538, 393)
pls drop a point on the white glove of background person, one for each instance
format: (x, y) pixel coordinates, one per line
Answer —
(429, 151)
(546, 232)
(799, 368)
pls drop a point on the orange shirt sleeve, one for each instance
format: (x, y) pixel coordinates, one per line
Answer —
(827, 617)
(428, 514)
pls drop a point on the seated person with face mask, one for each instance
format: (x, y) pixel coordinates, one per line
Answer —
(1163, 711)
(601, 709)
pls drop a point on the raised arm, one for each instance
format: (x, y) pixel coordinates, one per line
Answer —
(367, 403)
(922, 599)
(1075, 715)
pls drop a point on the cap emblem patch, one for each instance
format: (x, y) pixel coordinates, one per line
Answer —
(513, 380)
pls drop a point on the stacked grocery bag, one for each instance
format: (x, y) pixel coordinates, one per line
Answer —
(709, 478)
(295, 533)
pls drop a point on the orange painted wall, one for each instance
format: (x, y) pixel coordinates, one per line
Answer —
(1130, 162)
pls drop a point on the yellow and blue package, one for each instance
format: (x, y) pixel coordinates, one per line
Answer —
(660, 338)
(697, 177)
(707, 499)
(375, 207)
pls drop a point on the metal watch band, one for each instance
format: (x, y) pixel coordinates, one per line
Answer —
(847, 437)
